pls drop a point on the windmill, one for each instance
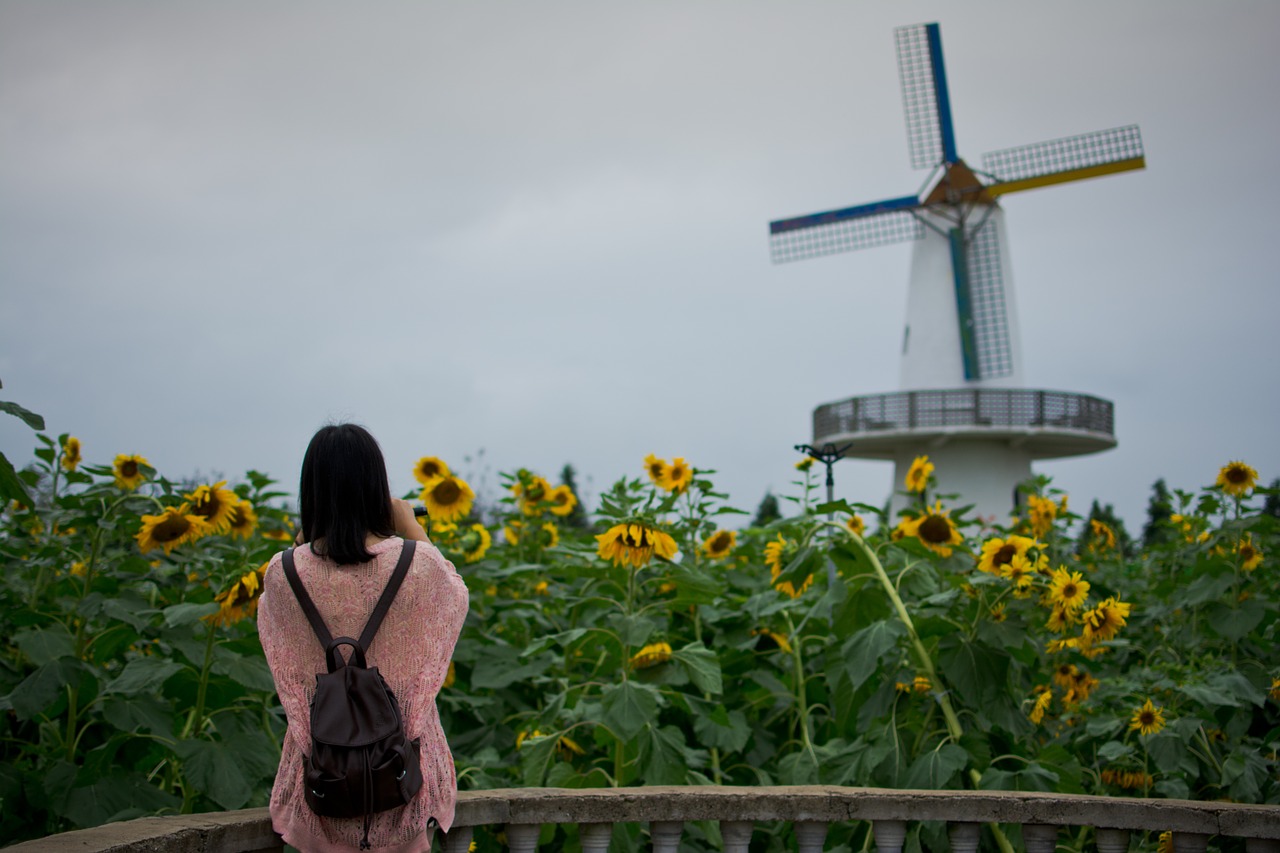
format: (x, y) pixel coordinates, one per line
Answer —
(962, 399)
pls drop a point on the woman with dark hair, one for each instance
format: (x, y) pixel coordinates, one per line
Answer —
(354, 533)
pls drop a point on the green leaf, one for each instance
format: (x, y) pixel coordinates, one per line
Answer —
(246, 670)
(536, 754)
(40, 689)
(1243, 774)
(665, 759)
(564, 638)
(695, 587)
(95, 804)
(935, 770)
(146, 713)
(977, 672)
(1235, 623)
(865, 649)
(703, 666)
(188, 613)
(628, 707)
(30, 418)
(722, 729)
(143, 675)
(43, 645)
(1114, 750)
(11, 488)
(213, 771)
(1166, 750)
(635, 630)
(500, 668)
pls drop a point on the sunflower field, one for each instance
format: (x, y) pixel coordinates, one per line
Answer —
(661, 640)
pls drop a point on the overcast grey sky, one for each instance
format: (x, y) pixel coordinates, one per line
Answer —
(540, 228)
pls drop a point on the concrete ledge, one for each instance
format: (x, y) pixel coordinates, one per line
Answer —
(249, 831)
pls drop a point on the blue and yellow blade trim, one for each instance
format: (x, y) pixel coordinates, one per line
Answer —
(1065, 176)
(830, 217)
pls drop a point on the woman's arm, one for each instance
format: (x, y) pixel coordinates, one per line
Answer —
(407, 526)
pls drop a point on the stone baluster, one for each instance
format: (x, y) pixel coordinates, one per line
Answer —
(595, 837)
(665, 835)
(458, 839)
(810, 835)
(1039, 837)
(964, 837)
(1189, 842)
(1112, 840)
(737, 835)
(1262, 845)
(523, 837)
(890, 834)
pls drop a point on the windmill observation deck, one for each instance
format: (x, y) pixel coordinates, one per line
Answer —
(1043, 424)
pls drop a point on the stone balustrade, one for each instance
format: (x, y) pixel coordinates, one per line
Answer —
(811, 810)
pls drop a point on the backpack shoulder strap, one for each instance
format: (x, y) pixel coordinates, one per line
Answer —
(304, 599)
(388, 595)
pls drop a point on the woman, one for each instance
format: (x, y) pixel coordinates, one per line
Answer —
(355, 532)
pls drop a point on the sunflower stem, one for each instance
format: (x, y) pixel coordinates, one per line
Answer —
(954, 729)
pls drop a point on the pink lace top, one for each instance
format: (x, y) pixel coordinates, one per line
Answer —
(411, 650)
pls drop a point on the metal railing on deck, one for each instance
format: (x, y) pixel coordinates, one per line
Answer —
(994, 408)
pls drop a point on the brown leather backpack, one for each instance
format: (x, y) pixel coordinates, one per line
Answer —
(361, 761)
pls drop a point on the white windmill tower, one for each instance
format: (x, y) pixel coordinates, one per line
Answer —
(961, 400)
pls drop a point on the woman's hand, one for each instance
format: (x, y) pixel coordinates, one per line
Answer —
(407, 526)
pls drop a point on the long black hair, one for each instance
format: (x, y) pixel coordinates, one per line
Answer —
(344, 495)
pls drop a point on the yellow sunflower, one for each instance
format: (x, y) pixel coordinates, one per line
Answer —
(1041, 513)
(563, 500)
(451, 675)
(919, 473)
(214, 504)
(935, 530)
(177, 525)
(634, 545)
(428, 468)
(1065, 675)
(719, 544)
(805, 464)
(129, 471)
(921, 684)
(1018, 572)
(474, 542)
(71, 453)
(678, 476)
(1250, 554)
(1081, 686)
(1105, 621)
(567, 747)
(512, 531)
(243, 520)
(1041, 706)
(776, 555)
(1147, 720)
(238, 601)
(542, 588)
(1060, 619)
(1068, 590)
(998, 553)
(856, 525)
(550, 535)
(997, 613)
(1104, 538)
(533, 493)
(656, 469)
(651, 655)
(770, 640)
(447, 498)
(1274, 692)
(1236, 479)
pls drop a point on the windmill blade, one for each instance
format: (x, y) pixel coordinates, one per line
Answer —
(925, 99)
(992, 350)
(863, 227)
(1074, 158)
